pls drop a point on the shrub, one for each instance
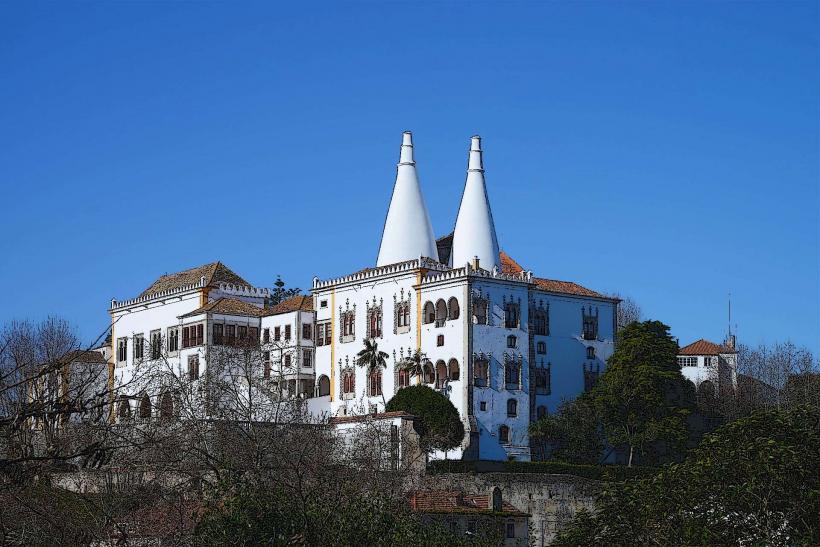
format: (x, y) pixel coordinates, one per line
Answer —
(440, 426)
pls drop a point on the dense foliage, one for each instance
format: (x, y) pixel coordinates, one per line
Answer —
(572, 434)
(255, 516)
(440, 426)
(642, 397)
(595, 472)
(752, 482)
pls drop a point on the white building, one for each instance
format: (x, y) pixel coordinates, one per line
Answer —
(504, 345)
(711, 367)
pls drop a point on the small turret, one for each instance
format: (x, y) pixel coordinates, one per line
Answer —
(474, 236)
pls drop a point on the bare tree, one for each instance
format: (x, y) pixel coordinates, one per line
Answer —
(628, 310)
(778, 375)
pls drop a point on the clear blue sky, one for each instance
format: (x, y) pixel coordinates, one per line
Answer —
(668, 151)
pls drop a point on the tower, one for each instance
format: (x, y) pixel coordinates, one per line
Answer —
(474, 234)
(407, 233)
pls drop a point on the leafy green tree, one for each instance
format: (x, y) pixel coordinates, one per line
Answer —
(441, 427)
(751, 482)
(642, 396)
(572, 434)
(371, 358)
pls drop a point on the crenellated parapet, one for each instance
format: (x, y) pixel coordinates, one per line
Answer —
(381, 271)
(243, 290)
(160, 295)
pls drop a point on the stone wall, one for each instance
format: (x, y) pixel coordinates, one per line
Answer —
(552, 500)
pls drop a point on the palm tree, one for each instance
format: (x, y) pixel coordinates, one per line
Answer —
(414, 364)
(372, 359)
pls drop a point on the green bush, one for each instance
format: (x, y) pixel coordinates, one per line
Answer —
(613, 473)
(440, 426)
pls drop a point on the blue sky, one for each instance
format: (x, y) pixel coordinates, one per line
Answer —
(668, 151)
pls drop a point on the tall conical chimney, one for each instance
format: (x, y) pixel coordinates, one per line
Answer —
(407, 232)
(474, 235)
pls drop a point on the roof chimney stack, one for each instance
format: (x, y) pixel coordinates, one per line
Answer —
(407, 232)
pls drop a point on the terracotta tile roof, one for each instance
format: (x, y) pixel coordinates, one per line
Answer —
(508, 265)
(83, 356)
(704, 347)
(215, 272)
(454, 501)
(366, 417)
(295, 303)
(229, 306)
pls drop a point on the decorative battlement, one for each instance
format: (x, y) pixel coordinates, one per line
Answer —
(243, 290)
(468, 270)
(400, 267)
(115, 304)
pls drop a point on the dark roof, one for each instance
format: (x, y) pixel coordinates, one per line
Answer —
(229, 306)
(366, 417)
(704, 347)
(454, 501)
(83, 356)
(215, 272)
(444, 246)
(294, 303)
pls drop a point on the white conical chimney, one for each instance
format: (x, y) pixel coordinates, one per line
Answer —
(407, 232)
(474, 235)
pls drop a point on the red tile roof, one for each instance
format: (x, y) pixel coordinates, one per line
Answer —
(454, 501)
(229, 306)
(366, 417)
(704, 347)
(294, 303)
(215, 272)
(508, 265)
(83, 356)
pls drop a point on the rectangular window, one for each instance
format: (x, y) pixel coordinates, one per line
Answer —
(192, 336)
(266, 364)
(156, 344)
(480, 316)
(320, 334)
(512, 315)
(328, 334)
(253, 335)
(217, 334)
(230, 335)
(287, 361)
(173, 339)
(287, 332)
(482, 406)
(200, 334)
(242, 333)
(139, 346)
(277, 334)
(122, 349)
(266, 336)
(688, 361)
(186, 337)
(510, 530)
(307, 331)
(348, 326)
(307, 358)
(323, 303)
(193, 367)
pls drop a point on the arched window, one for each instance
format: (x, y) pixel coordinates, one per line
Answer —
(441, 373)
(124, 410)
(429, 373)
(348, 382)
(512, 408)
(590, 352)
(539, 323)
(481, 372)
(512, 315)
(511, 341)
(454, 371)
(541, 412)
(441, 313)
(453, 310)
(440, 340)
(429, 312)
(145, 407)
(504, 434)
(166, 406)
(404, 378)
(374, 383)
(324, 386)
(541, 347)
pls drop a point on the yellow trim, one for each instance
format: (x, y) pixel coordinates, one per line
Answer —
(203, 296)
(418, 321)
(332, 342)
